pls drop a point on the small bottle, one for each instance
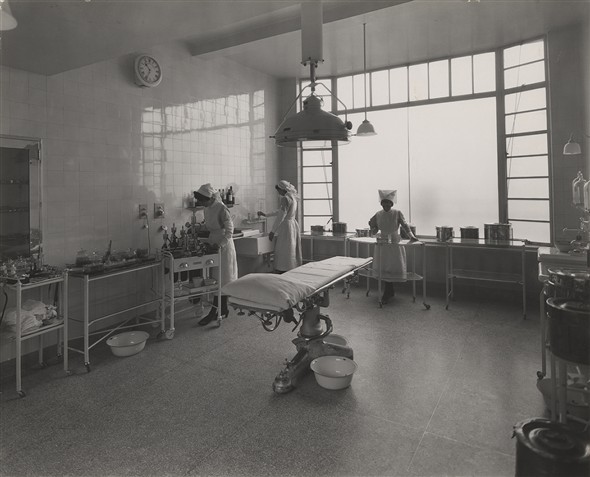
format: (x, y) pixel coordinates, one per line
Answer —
(229, 196)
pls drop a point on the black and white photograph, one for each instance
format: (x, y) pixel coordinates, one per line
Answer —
(294, 238)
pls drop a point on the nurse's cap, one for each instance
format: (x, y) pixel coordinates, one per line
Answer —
(386, 194)
(206, 190)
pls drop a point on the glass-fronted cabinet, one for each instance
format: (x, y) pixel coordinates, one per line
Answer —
(20, 198)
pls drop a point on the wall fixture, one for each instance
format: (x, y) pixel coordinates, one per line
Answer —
(571, 148)
(312, 125)
(7, 21)
(365, 128)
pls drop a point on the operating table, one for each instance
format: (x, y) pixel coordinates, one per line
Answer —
(274, 298)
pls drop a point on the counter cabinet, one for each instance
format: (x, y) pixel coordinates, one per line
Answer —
(88, 322)
(58, 324)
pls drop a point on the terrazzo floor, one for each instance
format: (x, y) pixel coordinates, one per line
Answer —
(437, 392)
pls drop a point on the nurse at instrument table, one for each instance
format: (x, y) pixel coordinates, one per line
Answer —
(389, 261)
(221, 227)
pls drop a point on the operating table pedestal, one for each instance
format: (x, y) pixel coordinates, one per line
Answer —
(310, 345)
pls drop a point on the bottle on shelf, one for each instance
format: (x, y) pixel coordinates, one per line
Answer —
(578, 189)
(229, 196)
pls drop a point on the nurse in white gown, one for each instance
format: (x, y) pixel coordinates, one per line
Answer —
(389, 261)
(221, 228)
(285, 231)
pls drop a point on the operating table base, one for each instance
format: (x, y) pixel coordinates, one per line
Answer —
(308, 349)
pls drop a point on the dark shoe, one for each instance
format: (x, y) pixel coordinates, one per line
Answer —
(211, 316)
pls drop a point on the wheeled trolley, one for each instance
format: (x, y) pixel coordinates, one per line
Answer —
(412, 249)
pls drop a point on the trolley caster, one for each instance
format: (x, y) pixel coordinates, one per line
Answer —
(68, 372)
(540, 375)
(22, 394)
(42, 364)
(367, 294)
(427, 306)
(169, 334)
(87, 367)
(447, 307)
(380, 304)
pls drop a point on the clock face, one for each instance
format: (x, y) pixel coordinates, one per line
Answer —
(148, 71)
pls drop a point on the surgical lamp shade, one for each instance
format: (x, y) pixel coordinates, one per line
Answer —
(7, 20)
(312, 124)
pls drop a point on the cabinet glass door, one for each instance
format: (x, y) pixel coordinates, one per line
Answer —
(20, 197)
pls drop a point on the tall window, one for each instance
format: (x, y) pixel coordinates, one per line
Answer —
(437, 144)
(526, 138)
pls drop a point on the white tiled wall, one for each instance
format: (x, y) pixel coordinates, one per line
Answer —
(109, 145)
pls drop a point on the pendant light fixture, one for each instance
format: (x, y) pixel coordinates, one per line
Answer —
(365, 128)
(7, 21)
(571, 148)
(312, 125)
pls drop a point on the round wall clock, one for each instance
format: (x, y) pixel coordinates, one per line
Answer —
(147, 71)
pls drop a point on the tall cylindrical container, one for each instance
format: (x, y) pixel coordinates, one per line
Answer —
(587, 195)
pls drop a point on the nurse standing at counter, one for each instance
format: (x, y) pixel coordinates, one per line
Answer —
(221, 227)
(389, 262)
(286, 229)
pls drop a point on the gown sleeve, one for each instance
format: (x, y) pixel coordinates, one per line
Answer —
(373, 224)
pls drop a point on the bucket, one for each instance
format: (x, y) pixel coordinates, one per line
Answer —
(497, 232)
(363, 232)
(339, 228)
(469, 232)
(547, 448)
(444, 233)
(569, 329)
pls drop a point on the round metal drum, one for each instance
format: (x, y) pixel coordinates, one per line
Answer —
(497, 232)
(469, 232)
(569, 329)
(363, 232)
(565, 283)
(339, 228)
(547, 448)
(444, 233)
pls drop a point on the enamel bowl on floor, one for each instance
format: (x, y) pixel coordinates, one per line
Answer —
(128, 343)
(333, 372)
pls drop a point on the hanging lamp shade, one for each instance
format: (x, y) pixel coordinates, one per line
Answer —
(7, 21)
(365, 128)
(312, 124)
(571, 148)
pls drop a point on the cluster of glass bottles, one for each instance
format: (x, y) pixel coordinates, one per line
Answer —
(187, 243)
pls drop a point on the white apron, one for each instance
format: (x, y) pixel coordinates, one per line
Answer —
(287, 235)
(220, 225)
(389, 260)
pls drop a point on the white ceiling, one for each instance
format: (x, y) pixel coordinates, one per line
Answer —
(56, 36)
